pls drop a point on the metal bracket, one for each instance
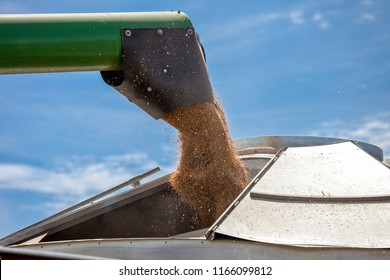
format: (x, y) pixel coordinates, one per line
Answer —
(164, 70)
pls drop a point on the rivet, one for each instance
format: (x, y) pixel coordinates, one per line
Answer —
(149, 89)
(128, 33)
(190, 32)
(159, 31)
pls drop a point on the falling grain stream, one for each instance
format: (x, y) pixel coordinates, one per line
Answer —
(209, 175)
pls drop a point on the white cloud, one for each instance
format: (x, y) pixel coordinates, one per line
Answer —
(258, 23)
(367, 2)
(320, 21)
(367, 17)
(371, 129)
(296, 17)
(236, 27)
(76, 176)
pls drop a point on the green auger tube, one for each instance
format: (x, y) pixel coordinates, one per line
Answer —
(41, 43)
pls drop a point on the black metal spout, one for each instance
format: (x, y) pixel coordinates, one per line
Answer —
(164, 70)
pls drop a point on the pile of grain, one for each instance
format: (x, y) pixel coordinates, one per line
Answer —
(209, 175)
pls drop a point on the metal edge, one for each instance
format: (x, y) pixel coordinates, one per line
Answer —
(86, 213)
(32, 254)
(221, 248)
(210, 233)
(319, 199)
(134, 17)
(280, 142)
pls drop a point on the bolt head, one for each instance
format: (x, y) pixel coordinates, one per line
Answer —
(128, 33)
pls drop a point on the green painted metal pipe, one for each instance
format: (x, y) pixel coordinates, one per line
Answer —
(41, 43)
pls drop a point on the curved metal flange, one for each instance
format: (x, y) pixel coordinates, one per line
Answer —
(164, 70)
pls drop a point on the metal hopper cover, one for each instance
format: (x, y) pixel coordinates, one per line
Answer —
(331, 195)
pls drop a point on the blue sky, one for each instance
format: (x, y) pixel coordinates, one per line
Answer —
(280, 68)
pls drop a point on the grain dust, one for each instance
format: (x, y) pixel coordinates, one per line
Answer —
(209, 175)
